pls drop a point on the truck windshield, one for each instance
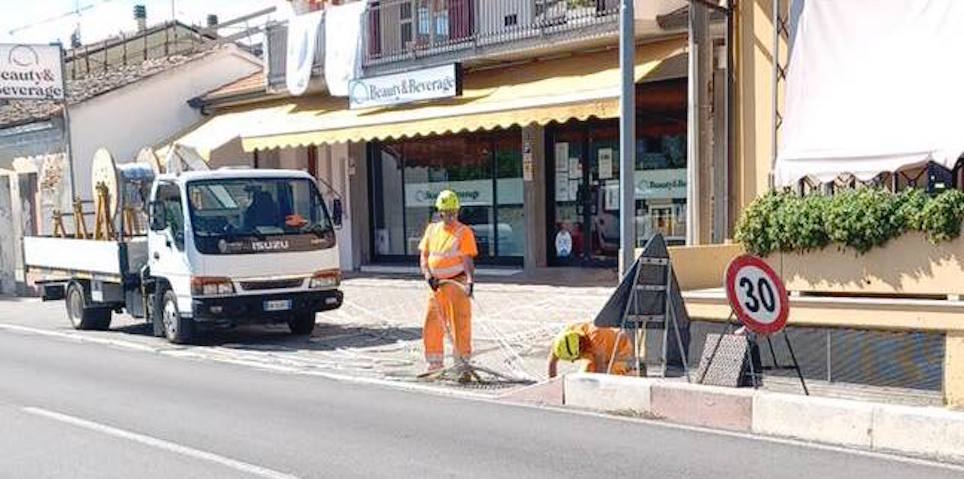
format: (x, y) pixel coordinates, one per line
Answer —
(251, 215)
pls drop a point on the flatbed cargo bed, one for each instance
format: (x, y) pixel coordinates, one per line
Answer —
(102, 260)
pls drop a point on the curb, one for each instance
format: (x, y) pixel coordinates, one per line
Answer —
(928, 432)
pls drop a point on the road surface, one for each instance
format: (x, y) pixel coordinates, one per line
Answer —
(74, 409)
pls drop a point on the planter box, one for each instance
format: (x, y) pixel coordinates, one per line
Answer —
(908, 265)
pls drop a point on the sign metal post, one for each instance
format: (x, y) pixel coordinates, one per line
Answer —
(760, 301)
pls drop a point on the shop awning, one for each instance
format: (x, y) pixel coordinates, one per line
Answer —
(212, 134)
(872, 87)
(576, 87)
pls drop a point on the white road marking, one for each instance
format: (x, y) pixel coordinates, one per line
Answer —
(427, 388)
(81, 337)
(160, 444)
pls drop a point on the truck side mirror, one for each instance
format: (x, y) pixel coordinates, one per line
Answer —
(336, 212)
(158, 218)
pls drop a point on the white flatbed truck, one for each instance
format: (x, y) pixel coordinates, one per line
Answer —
(223, 247)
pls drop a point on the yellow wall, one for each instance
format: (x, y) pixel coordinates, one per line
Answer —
(954, 369)
(753, 100)
(701, 267)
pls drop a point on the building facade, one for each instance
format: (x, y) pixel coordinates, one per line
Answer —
(530, 141)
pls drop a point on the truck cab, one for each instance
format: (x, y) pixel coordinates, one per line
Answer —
(229, 247)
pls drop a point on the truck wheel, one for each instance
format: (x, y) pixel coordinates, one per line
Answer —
(80, 312)
(302, 324)
(178, 330)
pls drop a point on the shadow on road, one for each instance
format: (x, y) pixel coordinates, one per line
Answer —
(277, 338)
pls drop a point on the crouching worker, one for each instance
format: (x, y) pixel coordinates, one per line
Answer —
(592, 346)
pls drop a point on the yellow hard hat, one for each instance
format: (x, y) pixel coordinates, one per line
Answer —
(566, 345)
(447, 201)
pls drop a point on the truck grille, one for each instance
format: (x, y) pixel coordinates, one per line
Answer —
(272, 284)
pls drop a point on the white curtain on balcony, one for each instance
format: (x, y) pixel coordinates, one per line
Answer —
(302, 32)
(872, 87)
(343, 46)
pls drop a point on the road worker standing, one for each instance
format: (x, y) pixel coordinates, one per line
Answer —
(594, 347)
(447, 249)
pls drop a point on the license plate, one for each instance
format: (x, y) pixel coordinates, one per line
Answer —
(277, 305)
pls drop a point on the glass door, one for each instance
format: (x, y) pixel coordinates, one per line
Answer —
(585, 196)
(603, 205)
(567, 232)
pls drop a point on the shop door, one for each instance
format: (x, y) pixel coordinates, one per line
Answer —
(585, 230)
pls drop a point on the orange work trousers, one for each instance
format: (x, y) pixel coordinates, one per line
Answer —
(449, 307)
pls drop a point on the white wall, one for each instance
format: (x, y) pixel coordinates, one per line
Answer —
(293, 159)
(333, 162)
(7, 235)
(147, 112)
(230, 154)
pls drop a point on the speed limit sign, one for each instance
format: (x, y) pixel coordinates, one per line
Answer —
(757, 294)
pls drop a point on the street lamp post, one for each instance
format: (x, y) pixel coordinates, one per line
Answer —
(627, 136)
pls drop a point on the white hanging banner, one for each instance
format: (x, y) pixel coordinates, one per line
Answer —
(302, 38)
(872, 87)
(343, 46)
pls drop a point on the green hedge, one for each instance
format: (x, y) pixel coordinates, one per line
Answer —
(859, 219)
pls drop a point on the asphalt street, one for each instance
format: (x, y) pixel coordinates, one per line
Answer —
(76, 409)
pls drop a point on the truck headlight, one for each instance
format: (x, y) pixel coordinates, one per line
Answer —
(325, 279)
(211, 286)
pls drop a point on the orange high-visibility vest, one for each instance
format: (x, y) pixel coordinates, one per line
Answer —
(602, 342)
(446, 246)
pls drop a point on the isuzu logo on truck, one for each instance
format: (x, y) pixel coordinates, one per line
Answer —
(271, 245)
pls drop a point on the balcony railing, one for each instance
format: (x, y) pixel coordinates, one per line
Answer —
(401, 29)
(277, 48)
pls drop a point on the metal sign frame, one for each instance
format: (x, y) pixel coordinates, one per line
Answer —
(767, 330)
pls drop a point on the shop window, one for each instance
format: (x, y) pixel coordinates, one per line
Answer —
(584, 161)
(484, 169)
(388, 218)
(510, 224)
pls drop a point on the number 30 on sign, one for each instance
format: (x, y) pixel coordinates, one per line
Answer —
(757, 295)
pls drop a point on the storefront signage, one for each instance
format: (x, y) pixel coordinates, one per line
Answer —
(471, 193)
(430, 83)
(563, 244)
(605, 163)
(562, 188)
(650, 185)
(653, 184)
(31, 72)
(575, 169)
(562, 157)
(527, 161)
